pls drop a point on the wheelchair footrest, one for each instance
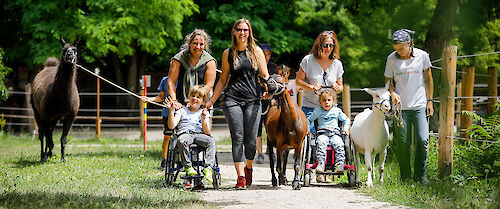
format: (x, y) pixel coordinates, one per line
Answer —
(192, 177)
(330, 173)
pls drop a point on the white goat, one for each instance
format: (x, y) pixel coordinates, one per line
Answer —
(370, 132)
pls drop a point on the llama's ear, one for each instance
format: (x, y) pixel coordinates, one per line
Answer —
(387, 85)
(62, 40)
(77, 40)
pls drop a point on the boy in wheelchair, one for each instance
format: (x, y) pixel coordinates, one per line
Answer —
(192, 123)
(328, 131)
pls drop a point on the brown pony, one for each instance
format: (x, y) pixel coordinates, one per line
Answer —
(286, 128)
(55, 97)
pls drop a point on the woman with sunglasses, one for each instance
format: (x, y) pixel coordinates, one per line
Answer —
(242, 64)
(321, 67)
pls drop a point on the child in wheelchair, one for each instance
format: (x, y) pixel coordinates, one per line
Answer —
(192, 124)
(328, 131)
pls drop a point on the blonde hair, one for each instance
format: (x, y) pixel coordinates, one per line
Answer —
(328, 92)
(251, 47)
(198, 89)
(197, 32)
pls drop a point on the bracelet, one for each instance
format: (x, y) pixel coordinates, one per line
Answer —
(429, 100)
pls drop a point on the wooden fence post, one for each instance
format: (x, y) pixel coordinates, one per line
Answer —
(346, 100)
(468, 93)
(492, 88)
(98, 115)
(459, 103)
(447, 111)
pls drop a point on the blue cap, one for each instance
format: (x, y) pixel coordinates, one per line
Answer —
(265, 47)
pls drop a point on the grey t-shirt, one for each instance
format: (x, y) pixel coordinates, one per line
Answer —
(314, 75)
(409, 77)
(190, 121)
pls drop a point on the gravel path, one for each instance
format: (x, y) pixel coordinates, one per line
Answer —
(262, 195)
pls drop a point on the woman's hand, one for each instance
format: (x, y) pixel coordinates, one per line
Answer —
(266, 95)
(316, 87)
(430, 109)
(209, 104)
(395, 98)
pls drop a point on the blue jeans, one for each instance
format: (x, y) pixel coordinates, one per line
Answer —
(403, 138)
(243, 121)
(308, 111)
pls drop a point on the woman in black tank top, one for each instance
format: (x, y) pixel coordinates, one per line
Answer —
(241, 66)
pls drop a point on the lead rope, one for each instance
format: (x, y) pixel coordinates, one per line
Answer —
(117, 86)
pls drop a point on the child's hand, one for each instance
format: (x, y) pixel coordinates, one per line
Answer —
(145, 99)
(204, 113)
(169, 104)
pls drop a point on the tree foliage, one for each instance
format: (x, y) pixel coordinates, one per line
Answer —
(4, 70)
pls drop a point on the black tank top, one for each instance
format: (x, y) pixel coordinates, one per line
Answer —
(243, 81)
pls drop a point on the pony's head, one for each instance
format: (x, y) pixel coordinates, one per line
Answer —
(381, 98)
(69, 51)
(275, 84)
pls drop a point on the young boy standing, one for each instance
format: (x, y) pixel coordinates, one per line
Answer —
(329, 131)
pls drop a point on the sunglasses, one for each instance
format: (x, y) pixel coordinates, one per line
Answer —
(328, 45)
(242, 29)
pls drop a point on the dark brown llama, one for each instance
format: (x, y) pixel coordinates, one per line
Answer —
(55, 97)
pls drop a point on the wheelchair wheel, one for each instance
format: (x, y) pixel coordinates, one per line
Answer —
(170, 172)
(307, 179)
(350, 153)
(303, 157)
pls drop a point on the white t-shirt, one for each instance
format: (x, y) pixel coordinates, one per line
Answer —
(314, 75)
(292, 88)
(409, 77)
(190, 121)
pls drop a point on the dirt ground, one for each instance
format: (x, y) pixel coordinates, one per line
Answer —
(261, 194)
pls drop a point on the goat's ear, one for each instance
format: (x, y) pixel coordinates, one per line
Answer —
(371, 92)
(62, 40)
(77, 40)
(387, 85)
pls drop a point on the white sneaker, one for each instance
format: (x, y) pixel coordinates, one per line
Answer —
(320, 167)
(339, 167)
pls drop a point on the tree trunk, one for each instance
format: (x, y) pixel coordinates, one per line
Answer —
(438, 37)
(439, 33)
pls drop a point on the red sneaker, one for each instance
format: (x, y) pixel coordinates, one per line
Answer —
(240, 183)
(248, 175)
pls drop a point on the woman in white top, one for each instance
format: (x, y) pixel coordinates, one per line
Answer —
(321, 67)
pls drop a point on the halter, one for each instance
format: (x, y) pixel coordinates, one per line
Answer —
(379, 107)
(279, 90)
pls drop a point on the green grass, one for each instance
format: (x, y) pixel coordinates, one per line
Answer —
(104, 176)
(449, 192)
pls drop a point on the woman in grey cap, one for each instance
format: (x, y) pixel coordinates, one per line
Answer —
(409, 68)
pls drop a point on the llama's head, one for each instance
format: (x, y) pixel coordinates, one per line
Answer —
(69, 52)
(381, 98)
(275, 84)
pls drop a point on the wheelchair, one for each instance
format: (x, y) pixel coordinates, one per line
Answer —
(197, 156)
(309, 148)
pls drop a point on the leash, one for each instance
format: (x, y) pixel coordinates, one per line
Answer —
(117, 86)
(396, 114)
